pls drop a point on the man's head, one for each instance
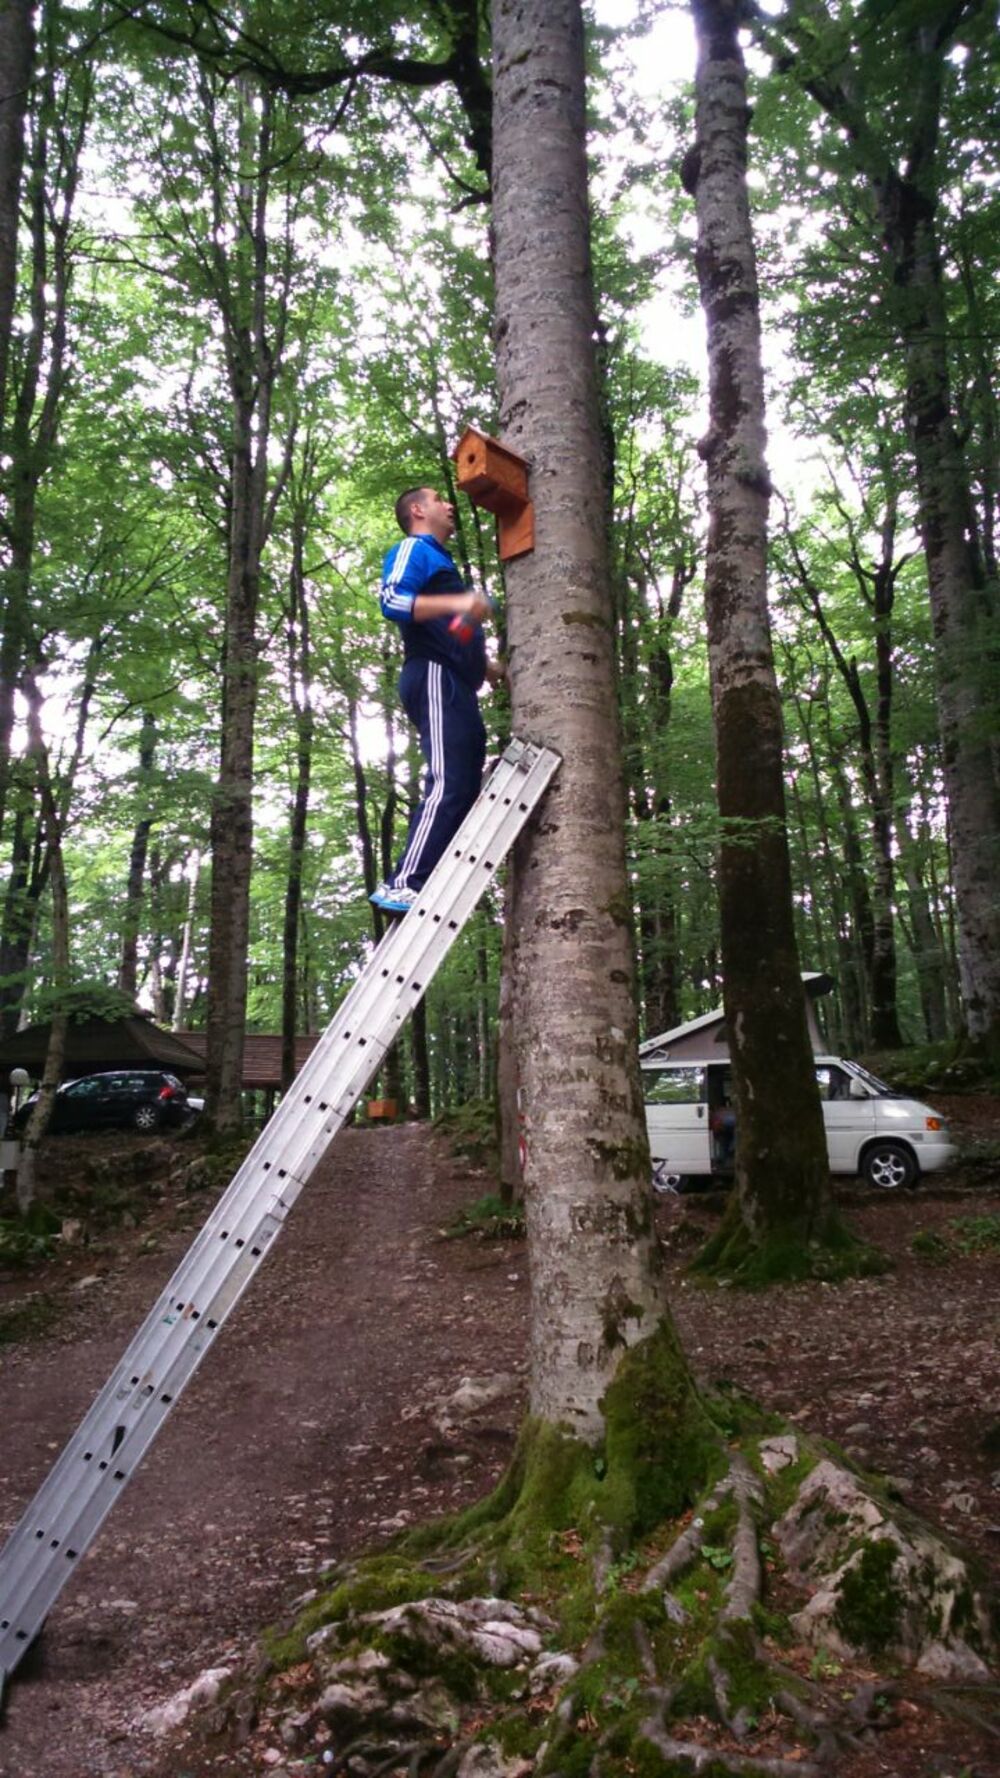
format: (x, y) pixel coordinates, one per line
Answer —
(421, 512)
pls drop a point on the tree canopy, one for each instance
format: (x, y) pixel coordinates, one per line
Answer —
(252, 287)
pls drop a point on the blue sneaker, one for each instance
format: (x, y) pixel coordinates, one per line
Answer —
(393, 901)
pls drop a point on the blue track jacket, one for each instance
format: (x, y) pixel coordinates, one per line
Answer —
(422, 565)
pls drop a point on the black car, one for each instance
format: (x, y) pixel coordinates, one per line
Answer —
(125, 1099)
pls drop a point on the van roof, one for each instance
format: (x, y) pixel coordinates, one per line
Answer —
(678, 1045)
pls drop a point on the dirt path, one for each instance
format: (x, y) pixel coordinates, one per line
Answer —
(308, 1429)
(315, 1424)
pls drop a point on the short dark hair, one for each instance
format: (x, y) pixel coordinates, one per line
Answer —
(405, 505)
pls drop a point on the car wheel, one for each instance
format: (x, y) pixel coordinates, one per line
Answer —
(667, 1182)
(888, 1166)
(145, 1117)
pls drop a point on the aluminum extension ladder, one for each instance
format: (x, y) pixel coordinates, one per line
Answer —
(106, 1449)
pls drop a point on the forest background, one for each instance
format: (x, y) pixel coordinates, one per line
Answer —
(249, 299)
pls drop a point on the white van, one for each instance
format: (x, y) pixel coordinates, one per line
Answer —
(870, 1130)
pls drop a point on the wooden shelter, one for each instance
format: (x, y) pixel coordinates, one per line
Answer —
(96, 1045)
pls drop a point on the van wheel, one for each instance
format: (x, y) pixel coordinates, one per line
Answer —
(888, 1166)
(667, 1182)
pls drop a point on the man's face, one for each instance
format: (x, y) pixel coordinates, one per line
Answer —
(434, 515)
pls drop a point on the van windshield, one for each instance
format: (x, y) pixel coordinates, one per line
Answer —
(872, 1080)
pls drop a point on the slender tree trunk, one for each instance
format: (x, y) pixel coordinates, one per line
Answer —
(187, 941)
(904, 179)
(26, 880)
(158, 980)
(783, 1193)
(300, 680)
(421, 1061)
(659, 936)
(484, 1060)
(876, 763)
(928, 959)
(232, 805)
(132, 919)
(57, 142)
(253, 357)
(596, 1288)
(966, 647)
(832, 872)
(508, 1088)
(17, 55)
(55, 1053)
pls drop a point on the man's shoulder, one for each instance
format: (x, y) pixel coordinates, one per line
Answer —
(418, 551)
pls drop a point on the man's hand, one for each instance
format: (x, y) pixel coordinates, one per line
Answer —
(496, 674)
(478, 608)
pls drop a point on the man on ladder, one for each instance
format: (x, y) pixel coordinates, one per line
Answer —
(444, 666)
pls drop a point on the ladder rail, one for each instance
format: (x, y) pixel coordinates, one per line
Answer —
(124, 1419)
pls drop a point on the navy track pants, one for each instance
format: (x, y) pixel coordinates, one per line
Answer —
(445, 713)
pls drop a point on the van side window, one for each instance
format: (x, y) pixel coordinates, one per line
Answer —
(833, 1083)
(673, 1086)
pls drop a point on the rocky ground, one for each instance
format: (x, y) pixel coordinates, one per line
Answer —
(374, 1376)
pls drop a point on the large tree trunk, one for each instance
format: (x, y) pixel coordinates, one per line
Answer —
(595, 1283)
(782, 1207)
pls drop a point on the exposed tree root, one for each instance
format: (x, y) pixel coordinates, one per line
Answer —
(529, 1623)
(784, 1255)
(744, 1589)
(954, 1701)
(364, 1746)
(701, 1758)
(686, 1548)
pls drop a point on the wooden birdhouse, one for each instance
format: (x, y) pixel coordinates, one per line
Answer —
(496, 478)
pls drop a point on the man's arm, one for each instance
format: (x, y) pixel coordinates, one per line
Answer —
(404, 601)
(463, 604)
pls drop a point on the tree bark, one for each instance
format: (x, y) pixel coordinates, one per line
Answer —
(187, 941)
(26, 881)
(421, 1061)
(132, 918)
(55, 1053)
(29, 440)
(17, 55)
(596, 1287)
(782, 1177)
(928, 955)
(300, 690)
(253, 352)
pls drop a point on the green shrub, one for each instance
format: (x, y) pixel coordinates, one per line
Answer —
(489, 1218)
(471, 1130)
